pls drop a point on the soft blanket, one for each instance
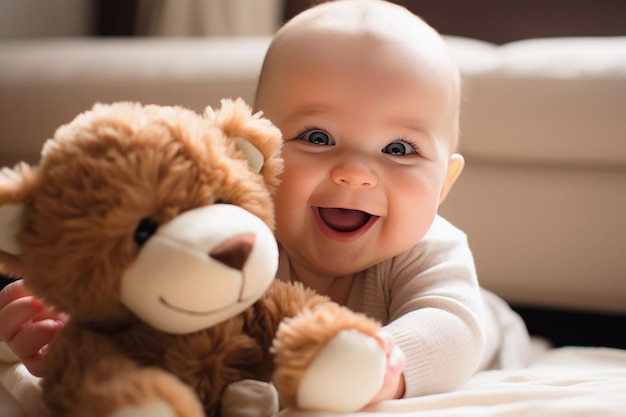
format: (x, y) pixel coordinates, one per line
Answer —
(560, 382)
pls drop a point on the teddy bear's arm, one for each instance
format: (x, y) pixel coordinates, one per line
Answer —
(86, 375)
(281, 300)
(326, 356)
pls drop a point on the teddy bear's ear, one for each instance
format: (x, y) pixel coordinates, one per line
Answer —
(10, 225)
(231, 117)
(258, 139)
(16, 185)
(252, 153)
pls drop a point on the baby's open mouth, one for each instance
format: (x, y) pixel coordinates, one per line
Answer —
(344, 220)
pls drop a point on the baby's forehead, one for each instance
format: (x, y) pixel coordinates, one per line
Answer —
(378, 26)
(385, 39)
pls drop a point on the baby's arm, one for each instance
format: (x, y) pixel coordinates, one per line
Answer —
(436, 312)
(26, 325)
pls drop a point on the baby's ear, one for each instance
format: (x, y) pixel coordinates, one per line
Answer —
(455, 167)
(255, 136)
(16, 186)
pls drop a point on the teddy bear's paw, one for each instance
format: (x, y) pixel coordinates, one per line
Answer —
(153, 409)
(343, 362)
(345, 374)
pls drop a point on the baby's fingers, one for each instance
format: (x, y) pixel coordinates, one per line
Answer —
(15, 314)
(12, 292)
(29, 341)
(393, 383)
(35, 364)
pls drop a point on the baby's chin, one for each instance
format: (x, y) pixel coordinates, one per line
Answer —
(338, 265)
(336, 257)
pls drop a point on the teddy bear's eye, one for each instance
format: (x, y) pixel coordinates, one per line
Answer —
(145, 230)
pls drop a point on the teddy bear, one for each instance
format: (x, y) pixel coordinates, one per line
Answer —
(151, 227)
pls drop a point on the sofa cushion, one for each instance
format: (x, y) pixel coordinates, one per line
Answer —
(545, 236)
(544, 101)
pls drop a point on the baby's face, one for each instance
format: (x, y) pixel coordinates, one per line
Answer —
(367, 153)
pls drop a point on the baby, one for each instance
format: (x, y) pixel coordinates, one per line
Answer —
(367, 97)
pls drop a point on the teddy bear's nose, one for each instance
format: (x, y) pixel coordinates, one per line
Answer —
(235, 251)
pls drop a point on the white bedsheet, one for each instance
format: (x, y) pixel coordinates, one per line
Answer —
(561, 382)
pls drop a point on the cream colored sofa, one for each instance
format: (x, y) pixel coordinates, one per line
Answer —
(543, 197)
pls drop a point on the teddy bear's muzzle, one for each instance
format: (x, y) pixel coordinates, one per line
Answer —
(201, 268)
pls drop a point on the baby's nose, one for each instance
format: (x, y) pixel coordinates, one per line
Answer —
(355, 174)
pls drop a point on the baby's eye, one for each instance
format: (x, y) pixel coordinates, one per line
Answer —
(399, 148)
(317, 137)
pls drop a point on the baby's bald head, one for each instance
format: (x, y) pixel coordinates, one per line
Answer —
(373, 28)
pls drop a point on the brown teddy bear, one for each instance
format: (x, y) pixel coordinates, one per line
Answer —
(151, 226)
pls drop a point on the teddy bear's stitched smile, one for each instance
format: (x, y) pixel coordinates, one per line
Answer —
(164, 302)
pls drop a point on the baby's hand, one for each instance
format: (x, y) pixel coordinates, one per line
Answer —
(393, 384)
(26, 325)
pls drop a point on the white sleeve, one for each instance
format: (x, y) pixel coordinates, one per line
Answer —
(436, 311)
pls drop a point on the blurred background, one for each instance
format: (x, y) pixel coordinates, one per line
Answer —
(497, 21)
(43, 18)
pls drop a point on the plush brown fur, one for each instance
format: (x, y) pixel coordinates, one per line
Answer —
(98, 176)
